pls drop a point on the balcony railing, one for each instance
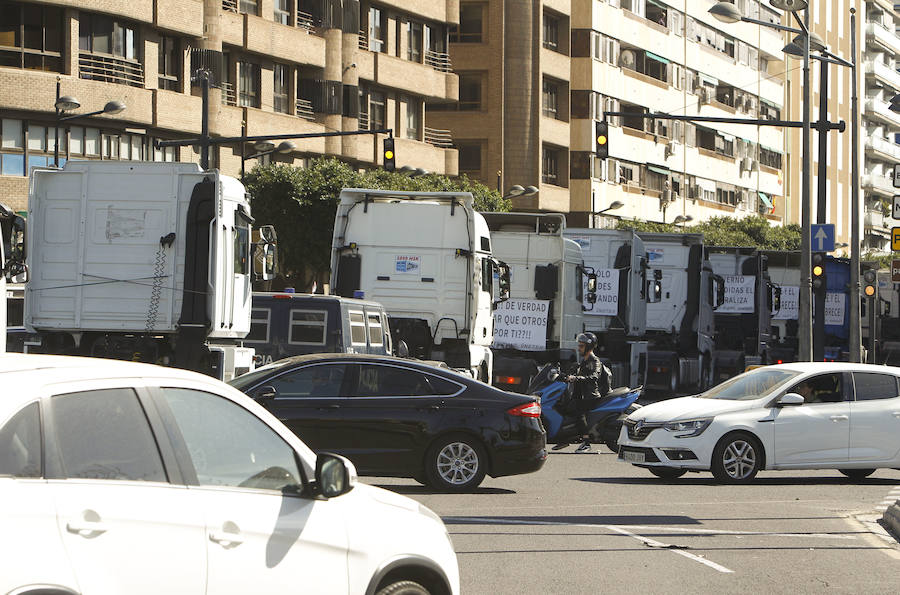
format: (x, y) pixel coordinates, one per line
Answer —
(305, 21)
(885, 37)
(230, 5)
(305, 110)
(363, 40)
(883, 71)
(228, 94)
(438, 138)
(883, 146)
(440, 61)
(874, 219)
(363, 121)
(877, 108)
(110, 69)
(878, 183)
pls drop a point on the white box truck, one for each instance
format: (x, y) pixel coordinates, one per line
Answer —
(681, 326)
(143, 261)
(541, 320)
(426, 257)
(618, 314)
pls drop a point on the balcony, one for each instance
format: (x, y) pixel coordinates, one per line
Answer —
(228, 94)
(305, 21)
(878, 109)
(438, 138)
(883, 148)
(883, 72)
(875, 220)
(883, 37)
(305, 110)
(438, 60)
(878, 184)
(109, 69)
(230, 5)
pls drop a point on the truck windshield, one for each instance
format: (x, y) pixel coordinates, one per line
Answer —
(750, 385)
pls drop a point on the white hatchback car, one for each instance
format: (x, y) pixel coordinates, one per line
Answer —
(118, 478)
(789, 416)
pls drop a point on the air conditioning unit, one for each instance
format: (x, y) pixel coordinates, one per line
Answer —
(669, 149)
(747, 164)
(703, 95)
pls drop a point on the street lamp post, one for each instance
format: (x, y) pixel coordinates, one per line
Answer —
(616, 204)
(67, 103)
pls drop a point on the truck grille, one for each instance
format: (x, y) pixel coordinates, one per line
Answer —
(639, 430)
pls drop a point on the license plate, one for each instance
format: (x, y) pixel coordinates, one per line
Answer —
(633, 457)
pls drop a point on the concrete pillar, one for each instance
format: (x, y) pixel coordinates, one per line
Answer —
(521, 161)
(333, 68)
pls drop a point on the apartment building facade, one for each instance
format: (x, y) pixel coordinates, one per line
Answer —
(278, 67)
(527, 117)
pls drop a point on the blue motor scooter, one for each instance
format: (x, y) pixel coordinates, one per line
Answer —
(604, 420)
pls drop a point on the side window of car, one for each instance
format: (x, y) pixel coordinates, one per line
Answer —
(390, 381)
(322, 380)
(104, 434)
(442, 386)
(872, 387)
(826, 388)
(228, 445)
(20, 444)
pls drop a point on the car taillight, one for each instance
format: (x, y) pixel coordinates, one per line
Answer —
(526, 410)
(508, 379)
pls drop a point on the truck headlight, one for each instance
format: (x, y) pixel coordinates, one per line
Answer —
(694, 427)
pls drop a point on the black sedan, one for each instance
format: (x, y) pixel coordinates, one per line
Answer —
(402, 418)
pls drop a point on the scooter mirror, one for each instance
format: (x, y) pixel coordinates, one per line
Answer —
(553, 375)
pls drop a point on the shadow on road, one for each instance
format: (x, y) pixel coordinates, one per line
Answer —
(599, 520)
(420, 490)
(708, 480)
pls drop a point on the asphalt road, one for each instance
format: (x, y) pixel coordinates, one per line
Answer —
(588, 524)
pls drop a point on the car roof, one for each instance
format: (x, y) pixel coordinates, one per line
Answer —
(316, 298)
(365, 357)
(825, 367)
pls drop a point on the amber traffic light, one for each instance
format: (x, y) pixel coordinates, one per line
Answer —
(818, 270)
(388, 154)
(601, 139)
(869, 280)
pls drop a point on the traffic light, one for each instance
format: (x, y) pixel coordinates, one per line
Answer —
(818, 270)
(601, 139)
(869, 283)
(388, 154)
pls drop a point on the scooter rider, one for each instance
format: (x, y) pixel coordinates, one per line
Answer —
(586, 386)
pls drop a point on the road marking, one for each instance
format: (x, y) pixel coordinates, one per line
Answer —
(741, 533)
(645, 540)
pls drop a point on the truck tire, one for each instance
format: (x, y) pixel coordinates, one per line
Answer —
(674, 380)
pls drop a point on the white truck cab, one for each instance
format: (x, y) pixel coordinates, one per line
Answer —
(427, 258)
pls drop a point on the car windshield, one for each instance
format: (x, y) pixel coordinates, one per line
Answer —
(250, 378)
(750, 385)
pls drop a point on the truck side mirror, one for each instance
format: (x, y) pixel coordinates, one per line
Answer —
(501, 282)
(718, 284)
(774, 299)
(654, 288)
(592, 283)
(14, 269)
(265, 258)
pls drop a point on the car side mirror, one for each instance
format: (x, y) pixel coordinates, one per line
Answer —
(335, 475)
(402, 349)
(265, 393)
(790, 400)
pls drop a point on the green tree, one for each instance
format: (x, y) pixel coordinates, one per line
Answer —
(752, 231)
(301, 204)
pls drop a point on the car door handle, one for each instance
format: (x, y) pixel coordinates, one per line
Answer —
(86, 528)
(897, 414)
(837, 418)
(326, 407)
(431, 408)
(226, 539)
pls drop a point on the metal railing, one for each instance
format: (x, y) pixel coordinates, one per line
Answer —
(363, 121)
(110, 69)
(230, 5)
(363, 40)
(305, 110)
(305, 21)
(438, 138)
(228, 95)
(440, 61)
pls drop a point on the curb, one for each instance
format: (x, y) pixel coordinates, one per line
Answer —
(891, 518)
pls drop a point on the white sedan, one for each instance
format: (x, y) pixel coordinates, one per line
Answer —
(117, 477)
(789, 416)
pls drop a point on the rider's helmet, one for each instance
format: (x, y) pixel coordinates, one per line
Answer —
(589, 339)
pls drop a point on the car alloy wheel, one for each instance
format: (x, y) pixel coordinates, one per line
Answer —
(737, 459)
(456, 463)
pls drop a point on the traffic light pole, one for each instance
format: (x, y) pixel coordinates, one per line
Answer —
(820, 292)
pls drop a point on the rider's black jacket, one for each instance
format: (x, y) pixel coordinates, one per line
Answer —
(587, 378)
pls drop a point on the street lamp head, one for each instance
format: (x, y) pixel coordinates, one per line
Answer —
(793, 50)
(113, 107)
(286, 146)
(789, 5)
(530, 191)
(816, 43)
(406, 169)
(726, 12)
(420, 172)
(516, 190)
(264, 145)
(66, 103)
(688, 218)
(679, 219)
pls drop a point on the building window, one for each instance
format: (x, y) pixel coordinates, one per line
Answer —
(551, 32)
(100, 34)
(31, 36)
(283, 11)
(550, 160)
(414, 41)
(469, 157)
(248, 84)
(280, 101)
(470, 92)
(169, 64)
(471, 24)
(377, 110)
(377, 30)
(550, 99)
(249, 6)
(413, 118)
(12, 147)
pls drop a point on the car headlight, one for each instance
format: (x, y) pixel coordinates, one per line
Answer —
(694, 427)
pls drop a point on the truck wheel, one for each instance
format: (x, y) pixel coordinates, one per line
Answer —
(456, 463)
(673, 377)
(706, 372)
